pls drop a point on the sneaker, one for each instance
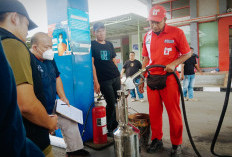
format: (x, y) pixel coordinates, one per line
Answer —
(176, 151)
(185, 99)
(133, 99)
(155, 146)
(193, 99)
(141, 100)
(78, 153)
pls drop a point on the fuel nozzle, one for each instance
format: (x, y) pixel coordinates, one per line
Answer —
(130, 81)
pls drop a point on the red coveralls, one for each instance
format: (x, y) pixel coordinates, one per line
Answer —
(164, 49)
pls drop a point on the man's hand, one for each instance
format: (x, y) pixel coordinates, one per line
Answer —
(200, 72)
(141, 87)
(170, 68)
(65, 100)
(182, 77)
(96, 87)
(53, 123)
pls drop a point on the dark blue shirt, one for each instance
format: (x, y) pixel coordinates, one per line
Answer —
(49, 73)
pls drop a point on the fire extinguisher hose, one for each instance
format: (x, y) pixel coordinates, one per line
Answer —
(86, 119)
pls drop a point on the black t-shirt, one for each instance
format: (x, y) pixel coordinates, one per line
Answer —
(132, 67)
(103, 55)
(189, 66)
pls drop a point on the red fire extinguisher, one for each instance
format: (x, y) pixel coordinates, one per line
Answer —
(99, 125)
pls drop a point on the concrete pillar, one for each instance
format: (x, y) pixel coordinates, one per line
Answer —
(149, 5)
(193, 37)
(130, 42)
(139, 41)
(193, 8)
(193, 26)
(222, 6)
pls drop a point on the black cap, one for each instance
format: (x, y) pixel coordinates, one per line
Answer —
(16, 6)
(98, 25)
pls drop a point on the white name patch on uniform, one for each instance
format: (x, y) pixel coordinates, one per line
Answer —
(168, 41)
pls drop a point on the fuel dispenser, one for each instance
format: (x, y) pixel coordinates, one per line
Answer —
(68, 25)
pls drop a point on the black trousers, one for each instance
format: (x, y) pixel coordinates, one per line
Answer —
(109, 90)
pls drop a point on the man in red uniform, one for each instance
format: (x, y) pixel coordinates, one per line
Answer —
(164, 45)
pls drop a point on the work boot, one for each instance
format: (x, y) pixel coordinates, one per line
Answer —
(155, 146)
(78, 153)
(176, 151)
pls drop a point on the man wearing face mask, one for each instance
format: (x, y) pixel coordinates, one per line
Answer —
(52, 84)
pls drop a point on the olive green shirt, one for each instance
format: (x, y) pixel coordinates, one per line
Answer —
(19, 59)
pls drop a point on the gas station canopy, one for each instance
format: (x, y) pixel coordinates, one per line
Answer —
(144, 1)
(123, 25)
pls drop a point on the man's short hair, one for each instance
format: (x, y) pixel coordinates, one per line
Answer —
(192, 48)
(36, 37)
(34, 40)
(97, 26)
(132, 52)
(3, 17)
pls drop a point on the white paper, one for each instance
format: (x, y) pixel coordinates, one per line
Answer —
(71, 112)
(57, 141)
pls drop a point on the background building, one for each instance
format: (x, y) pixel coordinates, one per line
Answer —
(207, 25)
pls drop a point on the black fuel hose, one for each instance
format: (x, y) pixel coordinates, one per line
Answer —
(183, 108)
(223, 111)
(86, 118)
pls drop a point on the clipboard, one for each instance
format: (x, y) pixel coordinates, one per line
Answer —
(71, 112)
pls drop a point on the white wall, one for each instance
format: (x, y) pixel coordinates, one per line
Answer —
(117, 43)
(134, 44)
(211, 8)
